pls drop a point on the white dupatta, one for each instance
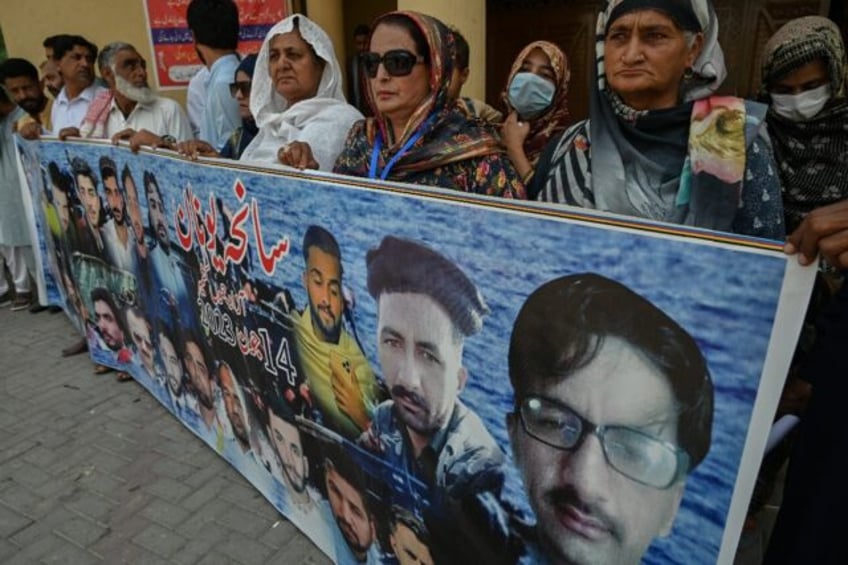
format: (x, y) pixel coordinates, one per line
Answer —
(322, 121)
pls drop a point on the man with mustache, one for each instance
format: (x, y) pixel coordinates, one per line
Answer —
(20, 77)
(355, 534)
(75, 58)
(426, 308)
(613, 410)
(340, 379)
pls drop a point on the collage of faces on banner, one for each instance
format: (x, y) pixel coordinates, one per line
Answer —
(403, 388)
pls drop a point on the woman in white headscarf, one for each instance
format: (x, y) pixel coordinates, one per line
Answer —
(297, 98)
(659, 144)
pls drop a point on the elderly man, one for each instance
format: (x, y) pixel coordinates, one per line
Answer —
(75, 58)
(340, 379)
(131, 110)
(613, 410)
(426, 308)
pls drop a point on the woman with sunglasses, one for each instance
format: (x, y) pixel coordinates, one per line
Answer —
(536, 99)
(241, 138)
(297, 98)
(418, 133)
(240, 90)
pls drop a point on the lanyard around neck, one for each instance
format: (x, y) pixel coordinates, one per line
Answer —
(378, 144)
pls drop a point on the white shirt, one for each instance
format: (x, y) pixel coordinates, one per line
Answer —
(196, 99)
(163, 116)
(70, 113)
(221, 115)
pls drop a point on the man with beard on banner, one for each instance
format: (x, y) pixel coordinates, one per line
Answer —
(120, 246)
(198, 362)
(110, 324)
(426, 308)
(293, 488)
(340, 380)
(349, 509)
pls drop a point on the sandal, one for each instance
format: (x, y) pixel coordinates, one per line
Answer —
(123, 377)
(102, 369)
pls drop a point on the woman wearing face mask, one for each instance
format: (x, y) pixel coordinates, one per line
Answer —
(537, 104)
(804, 75)
(658, 143)
(418, 133)
(804, 78)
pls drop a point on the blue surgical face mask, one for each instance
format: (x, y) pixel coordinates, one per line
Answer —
(530, 94)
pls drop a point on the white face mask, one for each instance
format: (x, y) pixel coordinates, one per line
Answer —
(801, 107)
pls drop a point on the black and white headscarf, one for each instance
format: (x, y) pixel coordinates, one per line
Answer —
(812, 155)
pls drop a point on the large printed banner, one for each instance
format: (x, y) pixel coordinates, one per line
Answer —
(171, 41)
(427, 377)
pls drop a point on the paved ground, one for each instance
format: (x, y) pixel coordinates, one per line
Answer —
(92, 470)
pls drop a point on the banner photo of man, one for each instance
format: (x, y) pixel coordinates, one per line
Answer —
(412, 376)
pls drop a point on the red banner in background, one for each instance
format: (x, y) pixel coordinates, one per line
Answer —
(175, 59)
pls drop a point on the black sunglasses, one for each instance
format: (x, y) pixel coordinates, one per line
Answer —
(397, 62)
(242, 86)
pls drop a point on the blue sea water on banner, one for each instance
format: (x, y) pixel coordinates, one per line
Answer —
(725, 297)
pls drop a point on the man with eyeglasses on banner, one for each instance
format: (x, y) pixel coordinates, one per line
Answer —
(613, 409)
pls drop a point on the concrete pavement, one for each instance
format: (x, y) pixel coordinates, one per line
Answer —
(97, 471)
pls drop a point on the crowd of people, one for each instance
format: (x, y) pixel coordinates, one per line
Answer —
(659, 143)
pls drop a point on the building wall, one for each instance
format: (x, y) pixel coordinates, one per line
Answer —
(469, 16)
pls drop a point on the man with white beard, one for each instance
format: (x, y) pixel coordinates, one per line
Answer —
(133, 110)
